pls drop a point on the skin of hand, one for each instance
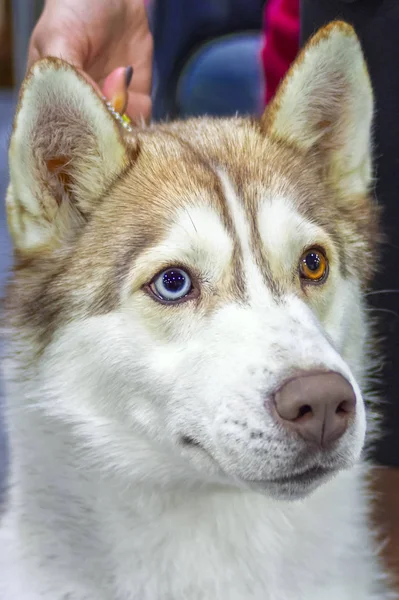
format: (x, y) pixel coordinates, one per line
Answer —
(98, 37)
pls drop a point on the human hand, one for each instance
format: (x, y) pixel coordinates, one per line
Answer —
(97, 37)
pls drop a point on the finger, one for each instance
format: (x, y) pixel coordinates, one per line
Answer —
(115, 87)
(138, 105)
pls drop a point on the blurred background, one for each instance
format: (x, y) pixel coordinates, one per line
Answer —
(7, 104)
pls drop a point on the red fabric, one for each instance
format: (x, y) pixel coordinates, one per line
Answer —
(281, 27)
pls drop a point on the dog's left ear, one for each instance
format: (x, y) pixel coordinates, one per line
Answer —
(65, 152)
(325, 106)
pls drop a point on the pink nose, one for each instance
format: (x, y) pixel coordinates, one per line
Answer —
(318, 406)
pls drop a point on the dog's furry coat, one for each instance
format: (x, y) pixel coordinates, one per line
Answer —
(146, 463)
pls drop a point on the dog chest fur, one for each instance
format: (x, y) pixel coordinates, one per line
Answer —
(147, 543)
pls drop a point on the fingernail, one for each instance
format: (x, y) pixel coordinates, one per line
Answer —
(128, 75)
(119, 103)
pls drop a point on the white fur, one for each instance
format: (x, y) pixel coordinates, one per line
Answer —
(198, 236)
(106, 503)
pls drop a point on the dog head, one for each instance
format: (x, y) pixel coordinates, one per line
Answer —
(188, 297)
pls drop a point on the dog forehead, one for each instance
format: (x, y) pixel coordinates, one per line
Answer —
(261, 170)
(179, 167)
(201, 186)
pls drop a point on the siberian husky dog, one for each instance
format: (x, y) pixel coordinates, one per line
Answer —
(187, 345)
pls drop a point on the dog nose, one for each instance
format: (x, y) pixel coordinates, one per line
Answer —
(318, 406)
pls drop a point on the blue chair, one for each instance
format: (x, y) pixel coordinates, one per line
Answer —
(206, 57)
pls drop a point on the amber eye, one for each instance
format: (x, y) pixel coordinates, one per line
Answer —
(313, 266)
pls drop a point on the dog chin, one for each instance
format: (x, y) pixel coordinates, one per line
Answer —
(295, 486)
(290, 486)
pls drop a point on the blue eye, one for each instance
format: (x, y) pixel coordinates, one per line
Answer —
(171, 285)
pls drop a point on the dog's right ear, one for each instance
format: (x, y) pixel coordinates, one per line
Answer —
(65, 152)
(325, 106)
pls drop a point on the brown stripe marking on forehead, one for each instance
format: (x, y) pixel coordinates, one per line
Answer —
(261, 258)
(236, 288)
(247, 231)
(211, 168)
(238, 148)
(248, 183)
